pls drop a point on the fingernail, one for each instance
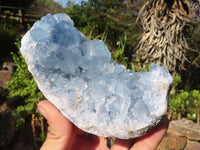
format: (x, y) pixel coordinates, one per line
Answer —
(42, 111)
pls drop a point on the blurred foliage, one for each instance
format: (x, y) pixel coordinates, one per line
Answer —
(191, 75)
(108, 20)
(17, 3)
(119, 55)
(195, 37)
(184, 103)
(22, 84)
(44, 7)
(8, 35)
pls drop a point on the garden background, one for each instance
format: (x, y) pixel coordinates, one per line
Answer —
(136, 32)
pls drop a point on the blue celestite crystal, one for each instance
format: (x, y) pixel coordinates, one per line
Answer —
(80, 78)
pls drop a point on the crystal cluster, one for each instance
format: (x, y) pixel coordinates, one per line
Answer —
(80, 78)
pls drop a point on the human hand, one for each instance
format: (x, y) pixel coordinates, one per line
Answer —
(63, 135)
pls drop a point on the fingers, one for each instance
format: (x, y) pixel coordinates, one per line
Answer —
(122, 144)
(153, 139)
(61, 133)
(92, 142)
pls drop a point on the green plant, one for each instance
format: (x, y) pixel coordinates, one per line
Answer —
(184, 103)
(120, 55)
(8, 34)
(177, 104)
(196, 101)
(24, 86)
(176, 80)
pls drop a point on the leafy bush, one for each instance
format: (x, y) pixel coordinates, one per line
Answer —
(8, 34)
(184, 103)
(119, 55)
(44, 7)
(23, 85)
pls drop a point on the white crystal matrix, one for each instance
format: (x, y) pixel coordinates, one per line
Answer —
(80, 78)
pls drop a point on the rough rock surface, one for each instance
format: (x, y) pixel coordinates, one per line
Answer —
(185, 127)
(192, 145)
(176, 142)
(80, 78)
(177, 137)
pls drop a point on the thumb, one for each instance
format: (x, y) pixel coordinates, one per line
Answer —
(61, 134)
(153, 139)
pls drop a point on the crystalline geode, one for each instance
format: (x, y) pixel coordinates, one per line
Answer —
(80, 78)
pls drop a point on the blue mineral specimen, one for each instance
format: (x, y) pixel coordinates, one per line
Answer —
(81, 79)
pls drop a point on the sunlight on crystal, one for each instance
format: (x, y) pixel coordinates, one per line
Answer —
(81, 79)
